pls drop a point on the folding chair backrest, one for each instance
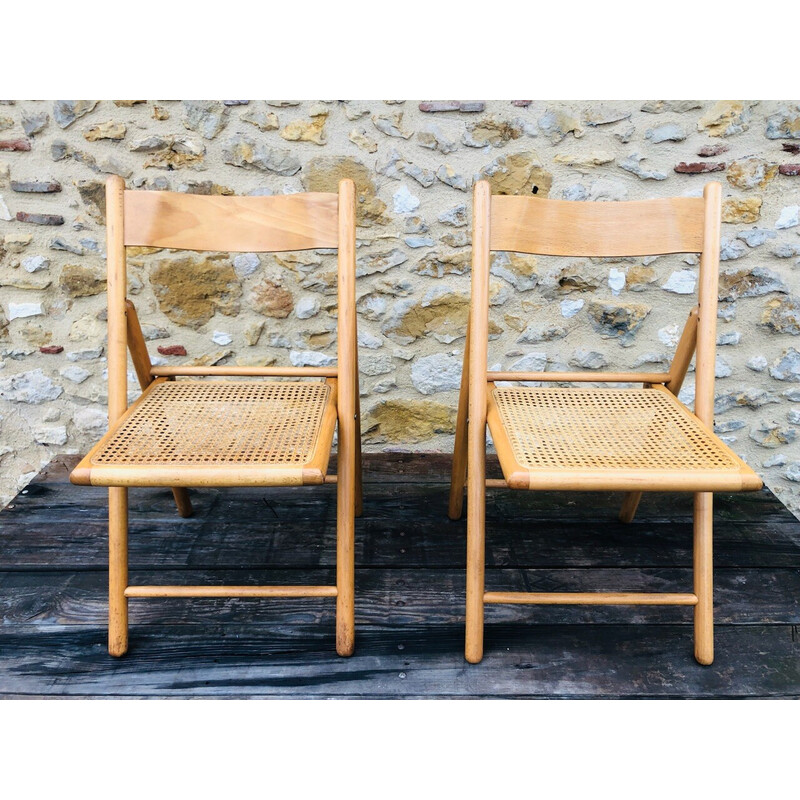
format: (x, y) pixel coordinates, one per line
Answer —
(232, 224)
(567, 228)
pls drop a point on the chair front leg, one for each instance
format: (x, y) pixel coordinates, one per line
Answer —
(345, 539)
(117, 571)
(704, 577)
(476, 556)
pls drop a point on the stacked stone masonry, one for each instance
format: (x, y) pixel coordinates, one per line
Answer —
(414, 163)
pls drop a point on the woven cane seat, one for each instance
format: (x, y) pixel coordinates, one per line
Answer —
(613, 439)
(179, 433)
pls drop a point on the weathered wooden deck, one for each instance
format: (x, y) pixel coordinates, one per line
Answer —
(410, 594)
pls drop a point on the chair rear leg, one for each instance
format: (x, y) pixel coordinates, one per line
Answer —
(117, 571)
(359, 479)
(629, 506)
(459, 469)
(703, 577)
(182, 501)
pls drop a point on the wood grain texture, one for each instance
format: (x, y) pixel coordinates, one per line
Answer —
(349, 427)
(234, 224)
(567, 228)
(476, 429)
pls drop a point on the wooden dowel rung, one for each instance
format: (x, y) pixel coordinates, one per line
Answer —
(592, 598)
(287, 372)
(331, 479)
(579, 377)
(230, 591)
(496, 483)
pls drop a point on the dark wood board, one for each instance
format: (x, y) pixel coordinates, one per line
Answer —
(410, 594)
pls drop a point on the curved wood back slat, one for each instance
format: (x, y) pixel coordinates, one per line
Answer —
(568, 228)
(232, 224)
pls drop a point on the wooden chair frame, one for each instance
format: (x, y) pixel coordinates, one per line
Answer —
(232, 224)
(553, 227)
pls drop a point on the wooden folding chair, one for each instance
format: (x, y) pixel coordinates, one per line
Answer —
(183, 433)
(632, 440)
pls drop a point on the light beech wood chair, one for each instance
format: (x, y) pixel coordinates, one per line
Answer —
(631, 440)
(183, 433)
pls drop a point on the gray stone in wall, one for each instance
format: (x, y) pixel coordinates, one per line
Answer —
(728, 338)
(784, 124)
(786, 250)
(310, 358)
(32, 387)
(729, 425)
(436, 373)
(569, 308)
(588, 359)
(75, 374)
(307, 307)
(666, 133)
(787, 366)
(792, 472)
(366, 339)
(207, 117)
(608, 190)
(752, 397)
(536, 333)
(789, 218)
(632, 164)
(755, 237)
(246, 264)
(771, 434)
(65, 112)
(458, 216)
(241, 151)
(433, 137)
(681, 282)
(740, 282)
(530, 362)
(53, 435)
(93, 421)
(757, 363)
(575, 192)
(446, 174)
(731, 250)
(374, 365)
(35, 122)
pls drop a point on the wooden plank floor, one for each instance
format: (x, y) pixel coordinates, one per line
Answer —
(409, 594)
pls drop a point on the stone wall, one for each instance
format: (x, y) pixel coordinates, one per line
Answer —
(414, 164)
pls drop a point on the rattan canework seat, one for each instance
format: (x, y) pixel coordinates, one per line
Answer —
(179, 430)
(560, 438)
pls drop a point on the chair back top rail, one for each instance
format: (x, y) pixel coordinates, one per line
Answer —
(568, 228)
(232, 224)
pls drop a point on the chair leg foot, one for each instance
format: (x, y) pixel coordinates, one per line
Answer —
(117, 571)
(703, 578)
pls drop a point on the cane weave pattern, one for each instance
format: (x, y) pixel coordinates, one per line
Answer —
(606, 429)
(223, 422)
